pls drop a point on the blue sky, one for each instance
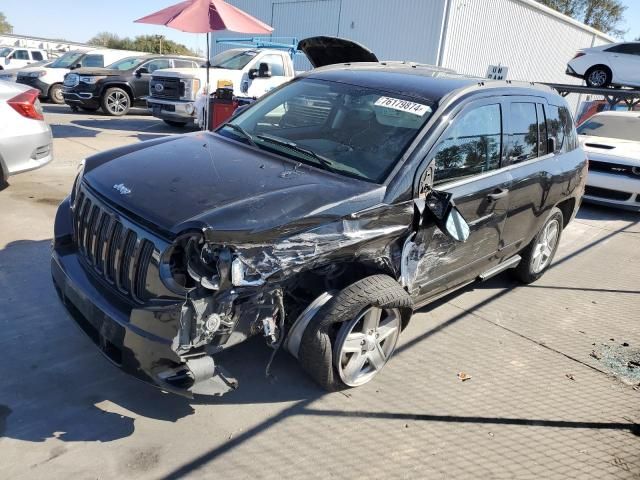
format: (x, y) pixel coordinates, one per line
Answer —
(79, 20)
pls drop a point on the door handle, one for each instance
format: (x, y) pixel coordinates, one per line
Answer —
(498, 194)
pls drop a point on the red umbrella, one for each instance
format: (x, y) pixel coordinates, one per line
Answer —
(205, 16)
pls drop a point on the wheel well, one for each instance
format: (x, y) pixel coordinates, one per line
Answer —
(123, 86)
(566, 207)
(604, 67)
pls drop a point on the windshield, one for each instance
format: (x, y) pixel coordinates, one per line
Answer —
(625, 127)
(232, 60)
(5, 51)
(126, 63)
(67, 60)
(352, 130)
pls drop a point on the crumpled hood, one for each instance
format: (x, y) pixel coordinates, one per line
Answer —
(205, 180)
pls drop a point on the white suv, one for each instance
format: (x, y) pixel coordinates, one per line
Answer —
(17, 57)
(600, 67)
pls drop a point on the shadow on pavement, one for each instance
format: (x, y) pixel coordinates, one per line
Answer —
(71, 131)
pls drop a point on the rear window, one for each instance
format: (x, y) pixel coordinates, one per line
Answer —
(620, 127)
(37, 55)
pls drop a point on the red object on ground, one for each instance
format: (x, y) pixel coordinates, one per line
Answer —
(27, 105)
(204, 16)
(220, 111)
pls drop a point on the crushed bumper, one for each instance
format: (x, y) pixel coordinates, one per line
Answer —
(118, 331)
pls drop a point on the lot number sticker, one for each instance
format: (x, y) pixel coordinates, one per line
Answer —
(403, 106)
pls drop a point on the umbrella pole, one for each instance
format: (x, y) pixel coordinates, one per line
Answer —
(208, 102)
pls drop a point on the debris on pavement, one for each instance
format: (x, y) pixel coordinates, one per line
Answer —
(464, 376)
(622, 361)
(570, 376)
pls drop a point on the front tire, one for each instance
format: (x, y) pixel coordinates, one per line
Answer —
(537, 257)
(116, 102)
(55, 94)
(598, 77)
(353, 336)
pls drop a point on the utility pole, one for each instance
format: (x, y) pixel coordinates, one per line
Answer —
(160, 38)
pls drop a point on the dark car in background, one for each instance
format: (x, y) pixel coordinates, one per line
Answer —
(319, 217)
(121, 85)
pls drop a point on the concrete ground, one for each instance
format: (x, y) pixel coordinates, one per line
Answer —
(542, 401)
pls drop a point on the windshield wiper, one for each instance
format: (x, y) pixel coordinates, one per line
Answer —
(246, 135)
(294, 146)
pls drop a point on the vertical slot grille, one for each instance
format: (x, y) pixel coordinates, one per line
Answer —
(113, 251)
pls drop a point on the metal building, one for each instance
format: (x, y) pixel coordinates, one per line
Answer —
(532, 41)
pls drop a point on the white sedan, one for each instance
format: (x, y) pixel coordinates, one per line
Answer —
(25, 138)
(612, 143)
(600, 67)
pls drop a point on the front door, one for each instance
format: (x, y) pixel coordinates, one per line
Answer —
(465, 163)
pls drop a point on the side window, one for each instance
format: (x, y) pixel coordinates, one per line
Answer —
(524, 132)
(179, 63)
(560, 126)
(627, 48)
(157, 64)
(36, 56)
(21, 55)
(276, 65)
(472, 145)
(570, 134)
(93, 61)
(542, 131)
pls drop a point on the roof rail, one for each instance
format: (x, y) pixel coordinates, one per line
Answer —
(290, 44)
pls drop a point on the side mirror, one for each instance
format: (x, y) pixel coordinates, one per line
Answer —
(551, 145)
(141, 71)
(264, 71)
(253, 73)
(439, 206)
(77, 65)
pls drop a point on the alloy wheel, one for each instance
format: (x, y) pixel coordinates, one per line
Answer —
(117, 102)
(598, 78)
(543, 251)
(364, 344)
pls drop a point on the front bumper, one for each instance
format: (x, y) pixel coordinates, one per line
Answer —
(571, 72)
(179, 111)
(36, 83)
(613, 190)
(80, 99)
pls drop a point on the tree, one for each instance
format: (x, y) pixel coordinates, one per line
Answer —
(603, 15)
(5, 26)
(141, 43)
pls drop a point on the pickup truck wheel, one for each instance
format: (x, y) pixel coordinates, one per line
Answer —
(537, 257)
(175, 123)
(598, 77)
(353, 336)
(55, 94)
(116, 102)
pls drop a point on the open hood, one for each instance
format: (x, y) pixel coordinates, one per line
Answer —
(323, 51)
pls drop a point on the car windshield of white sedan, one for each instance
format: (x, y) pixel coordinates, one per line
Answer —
(351, 130)
(621, 127)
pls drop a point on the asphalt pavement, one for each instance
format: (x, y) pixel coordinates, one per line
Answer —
(553, 391)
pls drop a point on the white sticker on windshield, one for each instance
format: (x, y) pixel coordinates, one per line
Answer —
(403, 106)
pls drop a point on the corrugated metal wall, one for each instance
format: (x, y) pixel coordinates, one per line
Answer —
(393, 29)
(536, 46)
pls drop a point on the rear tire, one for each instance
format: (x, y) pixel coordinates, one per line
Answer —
(372, 310)
(598, 77)
(116, 102)
(55, 94)
(538, 255)
(175, 123)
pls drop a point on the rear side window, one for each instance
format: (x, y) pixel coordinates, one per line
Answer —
(627, 48)
(560, 127)
(37, 56)
(93, 61)
(157, 64)
(472, 145)
(524, 132)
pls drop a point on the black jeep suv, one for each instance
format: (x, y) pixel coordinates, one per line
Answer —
(119, 86)
(320, 217)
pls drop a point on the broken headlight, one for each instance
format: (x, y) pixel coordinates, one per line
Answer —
(244, 275)
(190, 262)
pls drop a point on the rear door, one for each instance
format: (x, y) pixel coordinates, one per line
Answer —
(466, 161)
(625, 60)
(532, 168)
